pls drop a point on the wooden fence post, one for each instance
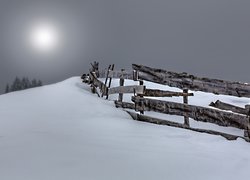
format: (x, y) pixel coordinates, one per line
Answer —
(135, 75)
(106, 79)
(110, 80)
(92, 86)
(93, 89)
(247, 130)
(141, 103)
(95, 68)
(185, 101)
(120, 98)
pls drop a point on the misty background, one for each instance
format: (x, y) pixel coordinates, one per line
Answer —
(208, 38)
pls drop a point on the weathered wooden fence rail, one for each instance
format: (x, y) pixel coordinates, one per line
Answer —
(161, 93)
(225, 106)
(97, 83)
(116, 74)
(191, 82)
(125, 105)
(195, 112)
(239, 117)
(127, 89)
(153, 120)
(106, 88)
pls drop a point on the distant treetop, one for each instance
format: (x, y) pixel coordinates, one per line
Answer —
(21, 84)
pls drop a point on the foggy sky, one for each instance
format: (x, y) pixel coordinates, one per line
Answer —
(202, 37)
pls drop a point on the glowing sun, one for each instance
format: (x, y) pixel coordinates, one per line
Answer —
(44, 37)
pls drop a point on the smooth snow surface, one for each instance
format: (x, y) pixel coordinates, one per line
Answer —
(63, 132)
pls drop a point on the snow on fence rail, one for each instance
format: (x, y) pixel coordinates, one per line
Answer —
(126, 89)
(116, 74)
(225, 106)
(183, 81)
(95, 82)
(198, 113)
(191, 82)
(153, 120)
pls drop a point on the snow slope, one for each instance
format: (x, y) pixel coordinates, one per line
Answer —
(62, 132)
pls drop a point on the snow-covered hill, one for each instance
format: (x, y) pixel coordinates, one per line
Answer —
(62, 132)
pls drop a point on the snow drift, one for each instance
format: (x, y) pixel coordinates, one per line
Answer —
(62, 132)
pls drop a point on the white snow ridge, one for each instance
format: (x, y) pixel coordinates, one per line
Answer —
(63, 132)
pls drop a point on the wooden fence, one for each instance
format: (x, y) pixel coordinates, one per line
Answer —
(225, 106)
(191, 82)
(239, 117)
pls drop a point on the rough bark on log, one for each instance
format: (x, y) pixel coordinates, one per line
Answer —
(195, 112)
(95, 68)
(126, 89)
(191, 82)
(135, 75)
(110, 80)
(127, 105)
(106, 79)
(161, 93)
(224, 106)
(140, 104)
(121, 82)
(185, 101)
(148, 119)
(97, 83)
(117, 74)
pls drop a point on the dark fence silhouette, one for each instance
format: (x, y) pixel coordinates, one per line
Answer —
(238, 118)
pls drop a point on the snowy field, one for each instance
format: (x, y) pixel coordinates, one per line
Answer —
(63, 132)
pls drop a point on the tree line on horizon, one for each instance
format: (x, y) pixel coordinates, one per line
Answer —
(21, 84)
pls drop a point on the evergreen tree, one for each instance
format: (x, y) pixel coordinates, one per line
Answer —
(22, 84)
(39, 83)
(7, 89)
(16, 85)
(28, 83)
(25, 83)
(34, 83)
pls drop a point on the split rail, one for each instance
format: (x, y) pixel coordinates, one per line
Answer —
(141, 101)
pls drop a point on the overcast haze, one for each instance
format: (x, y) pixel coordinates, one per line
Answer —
(203, 37)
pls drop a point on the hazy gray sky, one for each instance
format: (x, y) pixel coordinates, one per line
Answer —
(203, 37)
